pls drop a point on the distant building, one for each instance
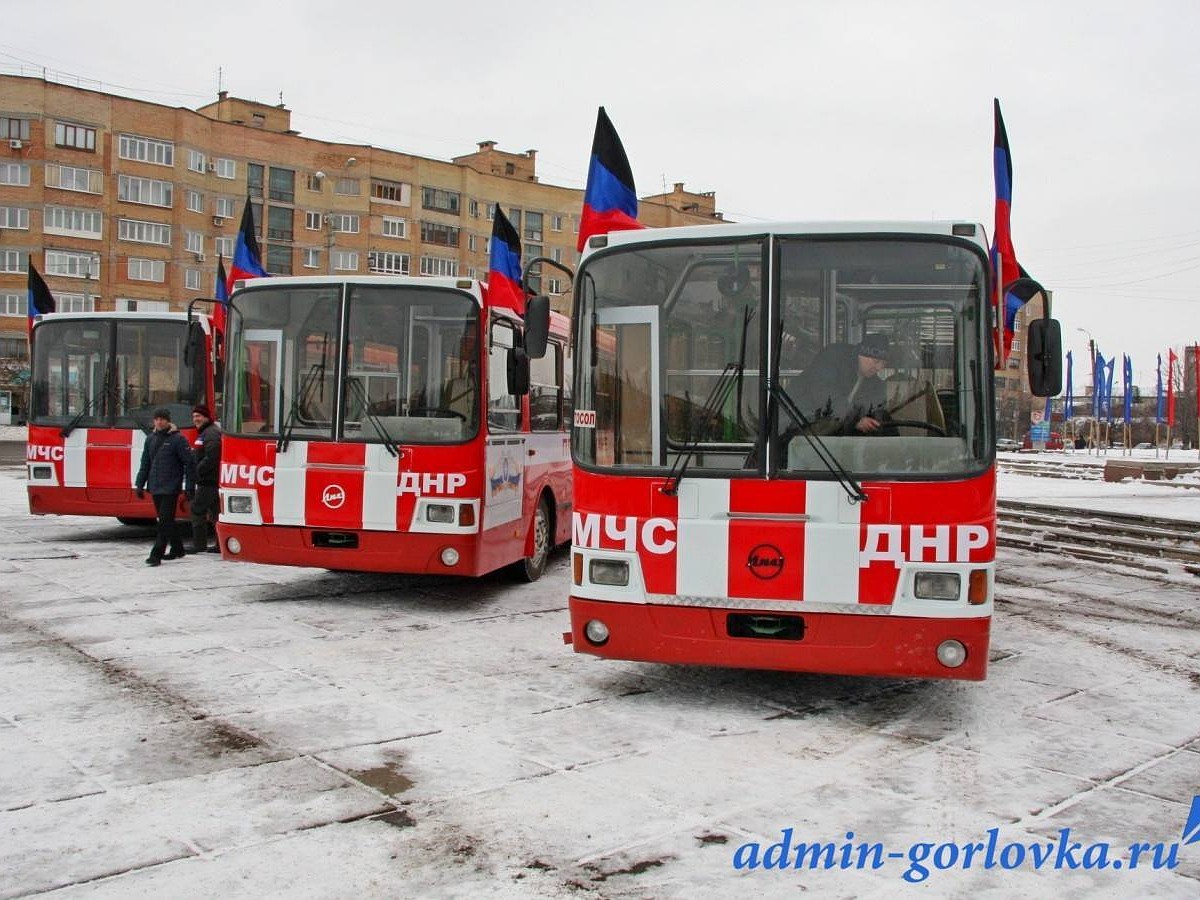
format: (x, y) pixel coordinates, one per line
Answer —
(126, 205)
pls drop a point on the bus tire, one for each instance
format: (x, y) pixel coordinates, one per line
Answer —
(530, 569)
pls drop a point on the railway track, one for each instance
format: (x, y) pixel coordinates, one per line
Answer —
(1161, 546)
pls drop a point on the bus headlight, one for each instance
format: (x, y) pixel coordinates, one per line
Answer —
(43, 473)
(239, 504)
(441, 513)
(234, 546)
(614, 572)
(936, 585)
(449, 557)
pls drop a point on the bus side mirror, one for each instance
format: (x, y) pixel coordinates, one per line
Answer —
(518, 372)
(537, 326)
(1044, 357)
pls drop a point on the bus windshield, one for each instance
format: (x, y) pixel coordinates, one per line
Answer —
(403, 370)
(114, 372)
(674, 336)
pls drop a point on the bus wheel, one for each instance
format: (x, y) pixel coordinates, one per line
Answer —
(532, 566)
(140, 523)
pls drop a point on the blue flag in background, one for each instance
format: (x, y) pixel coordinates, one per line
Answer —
(1127, 374)
(1097, 384)
(1108, 377)
(1069, 402)
(1158, 409)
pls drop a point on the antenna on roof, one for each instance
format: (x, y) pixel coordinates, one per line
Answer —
(220, 81)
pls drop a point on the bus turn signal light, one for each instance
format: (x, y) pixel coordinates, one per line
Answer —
(977, 587)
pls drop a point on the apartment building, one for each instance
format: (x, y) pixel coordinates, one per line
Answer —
(127, 205)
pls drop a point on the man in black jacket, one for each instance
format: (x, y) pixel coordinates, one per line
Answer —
(167, 467)
(206, 450)
(841, 392)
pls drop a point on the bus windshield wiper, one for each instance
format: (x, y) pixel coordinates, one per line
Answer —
(716, 400)
(107, 390)
(315, 373)
(361, 393)
(852, 488)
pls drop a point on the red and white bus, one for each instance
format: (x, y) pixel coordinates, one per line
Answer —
(97, 379)
(721, 518)
(392, 424)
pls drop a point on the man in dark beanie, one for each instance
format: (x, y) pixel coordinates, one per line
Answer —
(842, 387)
(206, 449)
(167, 468)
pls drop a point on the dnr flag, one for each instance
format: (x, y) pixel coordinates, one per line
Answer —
(41, 301)
(221, 294)
(504, 265)
(247, 260)
(609, 202)
(1004, 257)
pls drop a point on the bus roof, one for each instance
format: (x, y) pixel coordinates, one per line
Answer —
(963, 229)
(470, 286)
(107, 316)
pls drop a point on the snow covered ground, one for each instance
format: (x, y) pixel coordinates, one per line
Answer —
(210, 728)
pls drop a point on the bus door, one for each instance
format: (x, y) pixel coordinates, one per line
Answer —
(627, 387)
(504, 471)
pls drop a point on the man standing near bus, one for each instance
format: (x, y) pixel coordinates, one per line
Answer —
(167, 467)
(206, 450)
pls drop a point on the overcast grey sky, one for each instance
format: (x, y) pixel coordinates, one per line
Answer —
(800, 109)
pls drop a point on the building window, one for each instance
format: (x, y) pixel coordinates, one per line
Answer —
(224, 207)
(349, 187)
(514, 216)
(279, 223)
(72, 178)
(279, 259)
(191, 279)
(437, 233)
(312, 259)
(74, 303)
(471, 243)
(491, 212)
(345, 260)
(283, 185)
(14, 129)
(74, 137)
(312, 221)
(142, 149)
(313, 183)
(144, 190)
(556, 222)
(193, 242)
(1016, 345)
(13, 261)
(556, 254)
(384, 263)
(15, 217)
(395, 227)
(126, 305)
(14, 348)
(554, 286)
(15, 174)
(533, 226)
(254, 179)
(344, 222)
(226, 168)
(13, 305)
(472, 272)
(195, 201)
(436, 265)
(440, 200)
(147, 269)
(391, 191)
(575, 224)
(196, 161)
(67, 264)
(473, 208)
(224, 246)
(86, 223)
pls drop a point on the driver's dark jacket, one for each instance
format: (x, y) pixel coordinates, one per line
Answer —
(823, 393)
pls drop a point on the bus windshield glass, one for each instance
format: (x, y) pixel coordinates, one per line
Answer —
(404, 369)
(115, 372)
(876, 350)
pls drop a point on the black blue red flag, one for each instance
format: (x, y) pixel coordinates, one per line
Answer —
(41, 301)
(609, 201)
(221, 294)
(504, 265)
(1004, 257)
(247, 260)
